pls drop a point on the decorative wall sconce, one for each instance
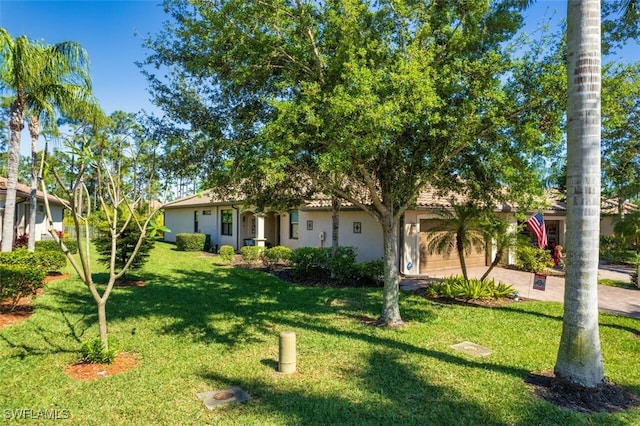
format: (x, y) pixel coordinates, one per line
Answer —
(309, 225)
(357, 227)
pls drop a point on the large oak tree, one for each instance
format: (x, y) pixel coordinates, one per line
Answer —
(369, 101)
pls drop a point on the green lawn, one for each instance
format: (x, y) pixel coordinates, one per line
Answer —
(198, 326)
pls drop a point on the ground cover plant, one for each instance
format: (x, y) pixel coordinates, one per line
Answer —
(198, 325)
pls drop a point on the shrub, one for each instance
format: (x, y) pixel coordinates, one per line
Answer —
(342, 265)
(17, 281)
(251, 254)
(51, 245)
(371, 271)
(456, 287)
(94, 352)
(22, 241)
(278, 255)
(51, 261)
(227, 254)
(309, 262)
(532, 259)
(190, 242)
(125, 245)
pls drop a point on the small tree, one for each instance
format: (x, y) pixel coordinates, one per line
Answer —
(459, 228)
(497, 232)
(125, 244)
(115, 203)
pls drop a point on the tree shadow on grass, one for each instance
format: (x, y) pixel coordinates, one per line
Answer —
(383, 391)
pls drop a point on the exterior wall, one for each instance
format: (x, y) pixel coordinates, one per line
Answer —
(606, 225)
(285, 239)
(42, 229)
(178, 221)
(368, 242)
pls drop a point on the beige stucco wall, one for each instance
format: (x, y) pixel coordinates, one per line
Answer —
(368, 242)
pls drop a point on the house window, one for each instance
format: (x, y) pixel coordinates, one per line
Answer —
(227, 222)
(206, 212)
(293, 224)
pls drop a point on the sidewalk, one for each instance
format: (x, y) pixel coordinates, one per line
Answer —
(610, 299)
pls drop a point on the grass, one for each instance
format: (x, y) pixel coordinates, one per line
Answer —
(199, 326)
(617, 283)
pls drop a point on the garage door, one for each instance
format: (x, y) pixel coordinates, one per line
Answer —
(435, 261)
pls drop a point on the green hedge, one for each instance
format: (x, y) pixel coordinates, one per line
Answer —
(17, 281)
(532, 259)
(51, 245)
(318, 263)
(227, 254)
(190, 242)
(251, 254)
(278, 255)
(47, 261)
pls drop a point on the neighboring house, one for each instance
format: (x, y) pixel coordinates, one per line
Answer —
(21, 223)
(232, 223)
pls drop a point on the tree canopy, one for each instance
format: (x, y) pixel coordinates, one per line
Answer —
(368, 101)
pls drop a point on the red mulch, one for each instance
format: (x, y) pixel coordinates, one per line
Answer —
(123, 362)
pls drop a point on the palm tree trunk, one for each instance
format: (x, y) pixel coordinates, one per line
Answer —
(463, 263)
(16, 124)
(34, 131)
(579, 355)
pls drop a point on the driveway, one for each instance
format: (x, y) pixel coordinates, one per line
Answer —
(610, 299)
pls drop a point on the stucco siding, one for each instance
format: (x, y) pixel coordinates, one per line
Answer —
(178, 221)
(368, 242)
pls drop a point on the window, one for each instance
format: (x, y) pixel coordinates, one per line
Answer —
(227, 222)
(293, 224)
(206, 212)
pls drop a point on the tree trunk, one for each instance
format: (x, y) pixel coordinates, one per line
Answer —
(390, 315)
(335, 225)
(495, 262)
(34, 131)
(579, 355)
(102, 323)
(16, 124)
(460, 248)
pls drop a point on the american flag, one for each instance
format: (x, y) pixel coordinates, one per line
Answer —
(536, 224)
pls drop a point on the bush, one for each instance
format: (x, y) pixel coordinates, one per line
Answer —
(47, 261)
(456, 287)
(94, 352)
(190, 242)
(51, 245)
(51, 261)
(17, 281)
(309, 262)
(343, 266)
(371, 271)
(533, 259)
(125, 245)
(227, 254)
(278, 255)
(251, 254)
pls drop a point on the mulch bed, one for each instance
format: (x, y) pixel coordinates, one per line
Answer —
(607, 397)
(122, 363)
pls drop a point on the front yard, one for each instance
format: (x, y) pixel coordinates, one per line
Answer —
(198, 326)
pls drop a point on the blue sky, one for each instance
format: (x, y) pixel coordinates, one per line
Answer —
(112, 32)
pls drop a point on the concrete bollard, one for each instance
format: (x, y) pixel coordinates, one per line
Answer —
(287, 362)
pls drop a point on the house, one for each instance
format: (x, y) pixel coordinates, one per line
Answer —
(232, 223)
(21, 223)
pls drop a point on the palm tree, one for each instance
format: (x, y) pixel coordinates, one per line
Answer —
(498, 232)
(44, 80)
(459, 228)
(579, 358)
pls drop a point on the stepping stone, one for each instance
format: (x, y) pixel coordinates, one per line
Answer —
(220, 397)
(472, 349)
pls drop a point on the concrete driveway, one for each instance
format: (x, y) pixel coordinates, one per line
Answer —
(610, 299)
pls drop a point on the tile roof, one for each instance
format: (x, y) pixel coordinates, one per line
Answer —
(24, 191)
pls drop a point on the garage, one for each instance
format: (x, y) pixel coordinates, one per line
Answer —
(435, 261)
